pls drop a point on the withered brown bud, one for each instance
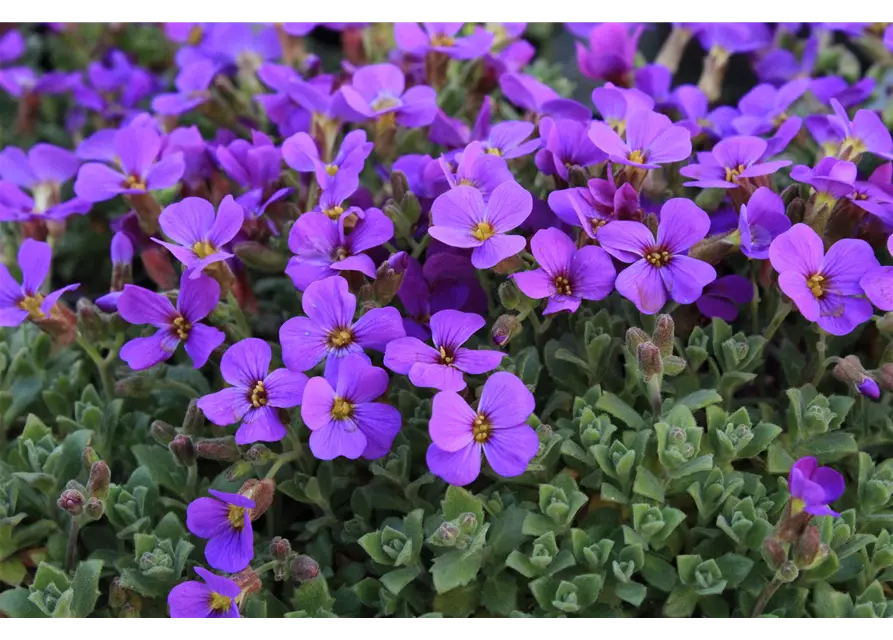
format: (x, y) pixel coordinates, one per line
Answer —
(304, 568)
(183, 449)
(248, 580)
(773, 552)
(280, 549)
(220, 449)
(100, 477)
(648, 356)
(261, 492)
(664, 334)
(808, 548)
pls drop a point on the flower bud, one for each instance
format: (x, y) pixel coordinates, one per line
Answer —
(885, 376)
(72, 501)
(808, 548)
(510, 295)
(447, 534)
(100, 476)
(650, 363)
(90, 321)
(773, 552)
(94, 508)
(117, 594)
(869, 388)
(261, 492)
(137, 386)
(260, 257)
(504, 329)
(258, 453)
(787, 572)
(468, 522)
(635, 337)
(512, 264)
(885, 324)
(194, 419)
(89, 457)
(280, 549)
(664, 334)
(304, 568)
(220, 449)
(162, 432)
(389, 277)
(399, 185)
(796, 210)
(850, 371)
(157, 263)
(129, 610)
(121, 248)
(183, 449)
(248, 581)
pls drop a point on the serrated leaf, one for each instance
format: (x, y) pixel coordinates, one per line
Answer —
(85, 585)
(452, 570)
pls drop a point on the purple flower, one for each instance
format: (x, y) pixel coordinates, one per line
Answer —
(322, 248)
(198, 297)
(836, 88)
(42, 171)
(723, 296)
(254, 165)
(825, 288)
(196, 154)
(762, 220)
(242, 44)
(441, 366)
(877, 283)
(12, 46)
(661, 268)
(113, 86)
(301, 154)
(255, 394)
(462, 219)
(596, 205)
(225, 522)
(121, 249)
(692, 104)
(506, 139)
(831, 178)
(344, 420)
(529, 93)
(869, 388)
(611, 52)
(865, 133)
(498, 428)
(136, 149)
(329, 331)
(200, 236)
(379, 92)
(19, 302)
(566, 146)
(651, 140)
(192, 89)
(22, 81)
(731, 160)
(654, 81)
(477, 168)
(725, 38)
(441, 37)
(615, 105)
(764, 107)
(814, 488)
(213, 598)
(566, 275)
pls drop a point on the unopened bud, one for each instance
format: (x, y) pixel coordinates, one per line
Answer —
(509, 265)
(885, 376)
(248, 581)
(94, 508)
(183, 449)
(261, 492)
(100, 476)
(260, 257)
(787, 572)
(850, 371)
(773, 552)
(885, 324)
(664, 334)
(129, 610)
(650, 364)
(258, 453)
(577, 176)
(504, 329)
(162, 432)
(90, 321)
(808, 548)
(117, 594)
(399, 185)
(544, 432)
(194, 419)
(157, 263)
(134, 387)
(71, 501)
(389, 278)
(220, 449)
(796, 210)
(468, 522)
(635, 337)
(447, 534)
(304, 568)
(869, 388)
(280, 549)
(510, 295)
(89, 457)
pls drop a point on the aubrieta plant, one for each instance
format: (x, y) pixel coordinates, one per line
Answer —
(430, 324)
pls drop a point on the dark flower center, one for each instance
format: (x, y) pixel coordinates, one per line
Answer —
(258, 397)
(236, 517)
(181, 327)
(658, 256)
(219, 603)
(338, 338)
(733, 173)
(31, 304)
(339, 254)
(481, 428)
(341, 409)
(562, 285)
(483, 231)
(446, 357)
(817, 284)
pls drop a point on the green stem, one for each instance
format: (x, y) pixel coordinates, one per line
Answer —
(280, 461)
(780, 314)
(768, 591)
(239, 317)
(174, 385)
(420, 247)
(821, 349)
(103, 365)
(191, 481)
(72, 546)
(262, 569)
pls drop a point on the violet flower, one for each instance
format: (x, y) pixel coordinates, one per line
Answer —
(340, 411)
(566, 145)
(253, 165)
(874, 195)
(506, 139)
(136, 149)
(661, 267)
(329, 332)
(12, 46)
(42, 171)
(866, 133)
(536, 97)
(723, 296)
(113, 86)
(301, 154)
(693, 105)
(462, 219)
(566, 275)
(322, 248)
(213, 598)
(441, 37)
(197, 299)
(762, 220)
(651, 140)
(877, 283)
(615, 105)
(225, 522)
(20, 302)
(476, 168)
(255, 394)
(814, 488)
(378, 92)
(192, 84)
(441, 366)
(596, 205)
(825, 287)
(731, 160)
(830, 88)
(496, 429)
(765, 107)
(611, 52)
(654, 80)
(832, 179)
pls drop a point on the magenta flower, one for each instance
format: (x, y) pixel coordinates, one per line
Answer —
(529, 93)
(765, 107)
(197, 299)
(762, 220)
(213, 598)
(136, 149)
(498, 429)
(192, 89)
(814, 488)
(723, 296)
(225, 522)
(596, 205)
(344, 419)
(611, 52)
(20, 302)
(301, 154)
(442, 38)
(200, 236)
(825, 288)
(731, 160)
(255, 394)
(651, 140)
(566, 145)
(661, 267)
(441, 366)
(831, 178)
(378, 92)
(477, 168)
(462, 219)
(877, 283)
(322, 248)
(615, 105)
(866, 133)
(42, 172)
(566, 275)
(329, 331)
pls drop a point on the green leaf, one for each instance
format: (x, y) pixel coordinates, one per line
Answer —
(160, 462)
(313, 597)
(85, 585)
(459, 501)
(631, 592)
(659, 573)
(500, 594)
(47, 574)
(734, 568)
(648, 485)
(831, 445)
(396, 580)
(700, 399)
(14, 603)
(371, 542)
(613, 405)
(681, 603)
(12, 571)
(528, 365)
(453, 569)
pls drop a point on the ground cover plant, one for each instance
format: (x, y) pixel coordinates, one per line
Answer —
(445, 319)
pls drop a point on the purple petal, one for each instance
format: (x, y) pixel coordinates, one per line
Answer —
(137, 148)
(198, 297)
(166, 172)
(34, 259)
(378, 327)
(225, 407)
(626, 240)
(303, 343)
(436, 376)
(475, 362)
(187, 221)
(230, 217)
(285, 388)
(338, 438)
(509, 451)
(401, 354)
(141, 306)
(845, 263)
(192, 600)
(380, 423)
(201, 342)
(641, 284)
(535, 284)
(360, 382)
(261, 425)
(232, 550)
(685, 278)
(451, 328)
(799, 250)
(458, 467)
(97, 183)
(497, 249)
(794, 286)
(878, 287)
(682, 224)
(246, 363)
(207, 517)
(505, 400)
(142, 353)
(456, 212)
(316, 405)
(592, 273)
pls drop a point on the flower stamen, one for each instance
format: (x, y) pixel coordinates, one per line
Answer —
(32, 305)
(340, 338)
(481, 428)
(817, 285)
(483, 231)
(341, 409)
(181, 327)
(258, 395)
(219, 603)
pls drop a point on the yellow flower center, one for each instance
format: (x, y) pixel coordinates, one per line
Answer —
(494, 151)
(203, 249)
(468, 182)
(333, 212)
(341, 409)
(562, 285)
(658, 257)
(340, 338)
(817, 284)
(236, 517)
(384, 102)
(733, 173)
(386, 122)
(31, 304)
(797, 506)
(219, 603)
(483, 231)
(780, 119)
(441, 40)
(851, 148)
(181, 327)
(481, 428)
(195, 35)
(258, 395)
(134, 182)
(620, 127)
(445, 358)
(331, 169)
(636, 156)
